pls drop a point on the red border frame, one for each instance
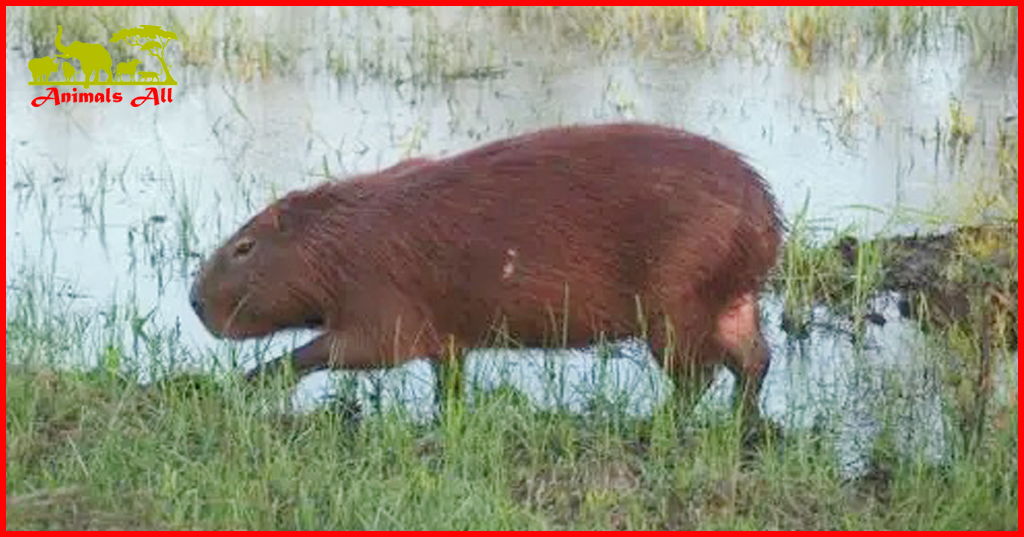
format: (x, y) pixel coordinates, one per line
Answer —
(1019, 322)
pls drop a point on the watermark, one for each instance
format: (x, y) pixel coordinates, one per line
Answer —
(94, 60)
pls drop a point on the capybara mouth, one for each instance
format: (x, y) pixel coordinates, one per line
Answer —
(228, 330)
(315, 321)
(240, 324)
(227, 333)
(219, 331)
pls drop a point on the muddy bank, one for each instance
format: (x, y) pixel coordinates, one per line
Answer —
(948, 279)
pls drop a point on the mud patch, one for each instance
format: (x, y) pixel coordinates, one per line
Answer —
(951, 280)
(964, 279)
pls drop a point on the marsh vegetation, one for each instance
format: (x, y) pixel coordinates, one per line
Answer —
(889, 135)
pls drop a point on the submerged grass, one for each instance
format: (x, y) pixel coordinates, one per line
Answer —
(361, 43)
(959, 286)
(810, 34)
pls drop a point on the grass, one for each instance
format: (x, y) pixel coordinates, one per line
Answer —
(90, 451)
(355, 44)
(88, 447)
(809, 34)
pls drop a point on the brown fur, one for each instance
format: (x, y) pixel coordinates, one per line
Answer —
(555, 239)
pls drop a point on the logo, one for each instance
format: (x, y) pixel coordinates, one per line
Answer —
(94, 61)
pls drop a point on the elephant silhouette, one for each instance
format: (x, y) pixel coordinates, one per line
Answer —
(150, 75)
(69, 72)
(41, 68)
(127, 68)
(93, 56)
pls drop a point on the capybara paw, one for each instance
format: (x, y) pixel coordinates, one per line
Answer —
(761, 433)
(264, 371)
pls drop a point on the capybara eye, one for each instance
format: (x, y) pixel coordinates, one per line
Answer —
(244, 247)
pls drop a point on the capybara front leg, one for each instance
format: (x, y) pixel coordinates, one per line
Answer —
(747, 353)
(335, 350)
(312, 356)
(683, 363)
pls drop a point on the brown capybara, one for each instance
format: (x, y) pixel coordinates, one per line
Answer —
(559, 238)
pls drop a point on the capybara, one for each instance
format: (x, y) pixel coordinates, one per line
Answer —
(560, 238)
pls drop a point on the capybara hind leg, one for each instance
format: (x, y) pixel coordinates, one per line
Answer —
(312, 356)
(747, 354)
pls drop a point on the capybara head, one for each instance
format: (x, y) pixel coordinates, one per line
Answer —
(277, 271)
(256, 282)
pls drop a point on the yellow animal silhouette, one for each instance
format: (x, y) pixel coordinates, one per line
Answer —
(149, 75)
(152, 40)
(69, 72)
(93, 56)
(41, 68)
(127, 68)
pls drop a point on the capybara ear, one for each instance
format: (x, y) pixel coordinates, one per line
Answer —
(275, 215)
(285, 214)
(272, 216)
(269, 217)
(292, 212)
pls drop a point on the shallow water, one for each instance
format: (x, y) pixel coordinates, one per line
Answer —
(119, 201)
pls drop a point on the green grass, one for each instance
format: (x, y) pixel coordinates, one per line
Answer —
(88, 447)
(85, 450)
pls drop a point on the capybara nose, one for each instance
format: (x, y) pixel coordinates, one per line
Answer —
(197, 303)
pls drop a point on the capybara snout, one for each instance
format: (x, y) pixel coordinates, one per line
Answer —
(562, 237)
(196, 301)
